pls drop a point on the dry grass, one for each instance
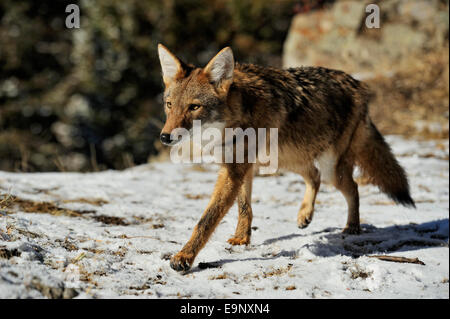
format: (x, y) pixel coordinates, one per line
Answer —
(90, 201)
(277, 272)
(29, 206)
(291, 288)
(359, 273)
(219, 277)
(6, 200)
(196, 197)
(11, 203)
(111, 220)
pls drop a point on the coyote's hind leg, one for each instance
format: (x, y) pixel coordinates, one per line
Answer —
(344, 182)
(312, 180)
(243, 228)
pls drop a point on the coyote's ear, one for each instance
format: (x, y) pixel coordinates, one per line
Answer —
(220, 68)
(171, 66)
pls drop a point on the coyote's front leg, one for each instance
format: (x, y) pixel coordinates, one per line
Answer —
(231, 177)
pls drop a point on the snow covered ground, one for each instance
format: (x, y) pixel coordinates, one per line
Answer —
(111, 234)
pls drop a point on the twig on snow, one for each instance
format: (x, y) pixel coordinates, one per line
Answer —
(398, 259)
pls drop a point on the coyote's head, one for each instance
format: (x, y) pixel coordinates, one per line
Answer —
(194, 93)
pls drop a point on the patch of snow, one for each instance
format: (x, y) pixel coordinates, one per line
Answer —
(48, 255)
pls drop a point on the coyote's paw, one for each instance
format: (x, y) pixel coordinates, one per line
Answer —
(305, 216)
(303, 222)
(352, 230)
(181, 261)
(239, 241)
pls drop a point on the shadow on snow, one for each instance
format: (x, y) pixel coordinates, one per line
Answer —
(331, 242)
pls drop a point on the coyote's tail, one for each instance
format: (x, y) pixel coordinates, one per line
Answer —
(376, 161)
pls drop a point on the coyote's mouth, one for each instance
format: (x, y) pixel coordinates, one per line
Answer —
(173, 142)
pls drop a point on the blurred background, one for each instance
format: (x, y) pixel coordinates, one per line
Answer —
(90, 99)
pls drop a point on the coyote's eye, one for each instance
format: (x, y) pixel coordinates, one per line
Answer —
(169, 105)
(194, 107)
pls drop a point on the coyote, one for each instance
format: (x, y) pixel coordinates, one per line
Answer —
(324, 130)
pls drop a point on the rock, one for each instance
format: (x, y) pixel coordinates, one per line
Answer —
(337, 36)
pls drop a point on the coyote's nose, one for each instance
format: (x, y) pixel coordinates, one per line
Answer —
(165, 138)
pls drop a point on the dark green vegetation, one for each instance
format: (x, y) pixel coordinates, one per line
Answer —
(89, 99)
